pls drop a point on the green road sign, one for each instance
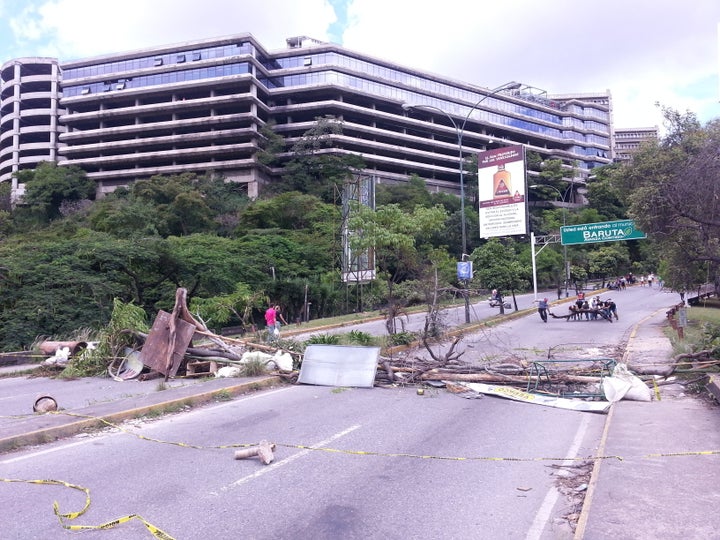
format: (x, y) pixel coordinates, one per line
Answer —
(607, 231)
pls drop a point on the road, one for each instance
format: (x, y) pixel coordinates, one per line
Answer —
(350, 463)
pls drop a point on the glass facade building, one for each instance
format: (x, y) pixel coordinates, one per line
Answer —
(199, 107)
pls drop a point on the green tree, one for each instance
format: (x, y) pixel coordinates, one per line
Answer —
(675, 198)
(316, 168)
(54, 286)
(609, 261)
(237, 305)
(399, 240)
(48, 186)
(606, 194)
(497, 266)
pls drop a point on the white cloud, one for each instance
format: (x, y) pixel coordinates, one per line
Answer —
(80, 28)
(643, 51)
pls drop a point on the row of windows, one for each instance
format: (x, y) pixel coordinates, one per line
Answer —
(636, 134)
(180, 57)
(588, 111)
(450, 107)
(375, 70)
(160, 79)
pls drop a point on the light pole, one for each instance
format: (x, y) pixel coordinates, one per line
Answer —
(566, 269)
(460, 131)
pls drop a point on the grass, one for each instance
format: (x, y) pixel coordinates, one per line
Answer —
(703, 328)
(223, 395)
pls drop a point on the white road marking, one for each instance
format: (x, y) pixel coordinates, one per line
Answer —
(303, 453)
(544, 513)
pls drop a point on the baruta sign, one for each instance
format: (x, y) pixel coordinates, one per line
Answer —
(607, 231)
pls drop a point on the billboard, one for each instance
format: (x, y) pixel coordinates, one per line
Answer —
(606, 231)
(501, 189)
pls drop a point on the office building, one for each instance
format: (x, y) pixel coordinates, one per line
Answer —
(628, 140)
(199, 107)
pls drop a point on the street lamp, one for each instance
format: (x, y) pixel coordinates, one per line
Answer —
(566, 269)
(460, 131)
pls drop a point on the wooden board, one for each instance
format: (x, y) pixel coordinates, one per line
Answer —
(156, 351)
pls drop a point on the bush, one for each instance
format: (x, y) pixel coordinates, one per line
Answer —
(323, 339)
(359, 338)
(401, 338)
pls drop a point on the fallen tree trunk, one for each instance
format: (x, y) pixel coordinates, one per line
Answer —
(488, 377)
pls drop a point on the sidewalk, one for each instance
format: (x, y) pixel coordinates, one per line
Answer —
(659, 479)
(88, 403)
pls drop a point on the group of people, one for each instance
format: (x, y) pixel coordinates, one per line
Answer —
(592, 310)
(596, 308)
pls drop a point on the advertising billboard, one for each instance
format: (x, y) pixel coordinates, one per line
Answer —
(501, 189)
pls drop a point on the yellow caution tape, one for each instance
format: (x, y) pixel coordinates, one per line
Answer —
(64, 517)
(379, 454)
(444, 458)
(657, 390)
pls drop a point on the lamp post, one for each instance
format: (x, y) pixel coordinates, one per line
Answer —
(566, 270)
(460, 131)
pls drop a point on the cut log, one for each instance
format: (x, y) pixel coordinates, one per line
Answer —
(264, 451)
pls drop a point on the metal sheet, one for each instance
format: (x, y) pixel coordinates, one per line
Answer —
(339, 365)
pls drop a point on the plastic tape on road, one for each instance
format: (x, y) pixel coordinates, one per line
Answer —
(64, 518)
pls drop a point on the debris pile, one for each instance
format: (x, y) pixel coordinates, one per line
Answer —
(168, 349)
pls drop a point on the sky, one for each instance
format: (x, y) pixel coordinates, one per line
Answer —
(645, 52)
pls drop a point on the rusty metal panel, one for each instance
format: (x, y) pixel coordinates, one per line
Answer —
(339, 365)
(155, 352)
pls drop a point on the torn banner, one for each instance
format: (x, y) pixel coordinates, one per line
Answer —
(549, 401)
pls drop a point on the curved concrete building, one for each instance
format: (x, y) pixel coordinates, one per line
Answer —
(199, 107)
(29, 110)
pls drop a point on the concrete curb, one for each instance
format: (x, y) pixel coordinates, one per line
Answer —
(67, 424)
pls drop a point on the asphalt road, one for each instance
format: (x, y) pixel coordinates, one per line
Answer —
(350, 463)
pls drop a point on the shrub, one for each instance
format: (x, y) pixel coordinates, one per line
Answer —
(323, 339)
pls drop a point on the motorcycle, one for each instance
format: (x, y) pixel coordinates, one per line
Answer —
(495, 302)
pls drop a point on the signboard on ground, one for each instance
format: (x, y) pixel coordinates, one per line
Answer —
(606, 231)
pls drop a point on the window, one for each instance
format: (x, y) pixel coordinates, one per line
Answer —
(85, 91)
(158, 61)
(180, 58)
(197, 56)
(307, 61)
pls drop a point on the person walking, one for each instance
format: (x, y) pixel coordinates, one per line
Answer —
(273, 316)
(543, 309)
(279, 317)
(271, 322)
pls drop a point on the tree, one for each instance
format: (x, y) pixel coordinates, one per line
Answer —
(217, 310)
(498, 267)
(48, 186)
(675, 195)
(55, 285)
(317, 168)
(606, 194)
(609, 260)
(400, 240)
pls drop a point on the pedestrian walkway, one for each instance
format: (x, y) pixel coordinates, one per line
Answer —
(656, 481)
(93, 402)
